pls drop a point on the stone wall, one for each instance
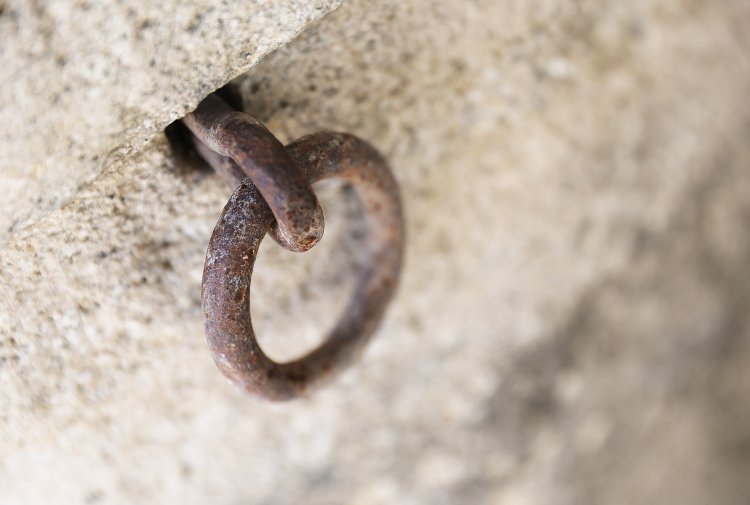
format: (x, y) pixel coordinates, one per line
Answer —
(572, 325)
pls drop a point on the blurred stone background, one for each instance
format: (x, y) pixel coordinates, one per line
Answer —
(573, 322)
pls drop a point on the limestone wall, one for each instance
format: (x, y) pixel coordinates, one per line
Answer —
(573, 322)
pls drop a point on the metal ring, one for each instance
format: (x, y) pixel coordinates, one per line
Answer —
(233, 249)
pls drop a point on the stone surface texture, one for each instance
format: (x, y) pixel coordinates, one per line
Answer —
(573, 324)
(84, 78)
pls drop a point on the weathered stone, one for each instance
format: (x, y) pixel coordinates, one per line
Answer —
(573, 322)
(88, 83)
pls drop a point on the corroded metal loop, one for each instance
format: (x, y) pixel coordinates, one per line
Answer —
(260, 156)
(246, 219)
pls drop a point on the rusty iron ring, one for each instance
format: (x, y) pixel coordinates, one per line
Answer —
(233, 248)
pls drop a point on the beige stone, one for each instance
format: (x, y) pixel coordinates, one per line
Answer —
(84, 81)
(572, 325)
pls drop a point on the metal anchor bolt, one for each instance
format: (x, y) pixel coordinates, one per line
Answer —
(273, 194)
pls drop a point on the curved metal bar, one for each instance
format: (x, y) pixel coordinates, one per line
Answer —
(233, 249)
(299, 218)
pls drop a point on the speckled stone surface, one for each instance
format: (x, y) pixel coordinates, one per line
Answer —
(573, 325)
(89, 82)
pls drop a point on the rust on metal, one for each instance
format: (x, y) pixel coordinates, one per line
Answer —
(273, 194)
(262, 158)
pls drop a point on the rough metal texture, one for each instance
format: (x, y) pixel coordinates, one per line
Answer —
(299, 218)
(277, 185)
(572, 326)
